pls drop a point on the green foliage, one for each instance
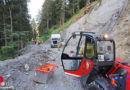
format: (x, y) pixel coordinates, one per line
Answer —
(6, 50)
(50, 31)
(74, 5)
(54, 27)
(57, 12)
(14, 35)
(15, 29)
(4, 58)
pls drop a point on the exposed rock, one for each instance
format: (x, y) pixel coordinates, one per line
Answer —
(26, 67)
(104, 17)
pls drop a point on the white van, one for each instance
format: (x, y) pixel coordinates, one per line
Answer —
(54, 38)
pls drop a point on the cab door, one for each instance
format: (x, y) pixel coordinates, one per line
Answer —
(73, 57)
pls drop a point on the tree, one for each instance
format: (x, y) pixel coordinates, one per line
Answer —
(55, 12)
(33, 25)
(15, 29)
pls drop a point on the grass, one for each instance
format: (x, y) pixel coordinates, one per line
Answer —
(4, 58)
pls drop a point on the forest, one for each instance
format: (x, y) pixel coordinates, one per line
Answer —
(17, 28)
(55, 13)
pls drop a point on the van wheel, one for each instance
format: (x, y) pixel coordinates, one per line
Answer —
(51, 46)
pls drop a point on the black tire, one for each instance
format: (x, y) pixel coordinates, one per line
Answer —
(94, 86)
(100, 84)
(52, 46)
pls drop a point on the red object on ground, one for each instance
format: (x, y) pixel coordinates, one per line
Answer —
(1, 79)
(46, 68)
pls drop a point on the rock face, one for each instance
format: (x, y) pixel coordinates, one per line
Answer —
(121, 33)
(104, 16)
(101, 19)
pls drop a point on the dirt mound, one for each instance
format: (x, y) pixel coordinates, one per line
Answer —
(30, 48)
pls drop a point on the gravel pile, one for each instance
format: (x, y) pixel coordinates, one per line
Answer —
(19, 72)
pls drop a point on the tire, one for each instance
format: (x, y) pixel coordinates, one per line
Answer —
(100, 84)
(94, 86)
(52, 46)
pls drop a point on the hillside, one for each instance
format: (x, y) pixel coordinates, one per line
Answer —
(110, 17)
(121, 34)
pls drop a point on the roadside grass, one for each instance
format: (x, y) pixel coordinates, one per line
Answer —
(5, 58)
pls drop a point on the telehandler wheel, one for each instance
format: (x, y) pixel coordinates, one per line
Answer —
(94, 86)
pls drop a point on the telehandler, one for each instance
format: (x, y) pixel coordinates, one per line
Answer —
(92, 58)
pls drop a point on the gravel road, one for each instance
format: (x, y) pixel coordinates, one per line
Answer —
(60, 80)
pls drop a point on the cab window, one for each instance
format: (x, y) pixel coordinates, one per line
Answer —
(89, 48)
(106, 51)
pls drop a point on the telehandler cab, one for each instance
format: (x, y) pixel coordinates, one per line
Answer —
(92, 58)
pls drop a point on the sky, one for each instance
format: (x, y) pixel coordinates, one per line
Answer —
(34, 6)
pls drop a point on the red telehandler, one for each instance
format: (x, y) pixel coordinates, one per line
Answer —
(92, 58)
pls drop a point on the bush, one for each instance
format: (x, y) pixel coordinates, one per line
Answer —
(8, 51)
(54, 27)
(4, 58)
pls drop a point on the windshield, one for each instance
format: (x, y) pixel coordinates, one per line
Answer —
(105, 50)
(55, 38)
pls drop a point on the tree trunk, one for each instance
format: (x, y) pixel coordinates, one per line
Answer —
(47, 23)
(11, 22)
(62, 17)
(32, 33)
(73, 11)
(21, 43)
(4, 28)
(0, 55)
(78, 7)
